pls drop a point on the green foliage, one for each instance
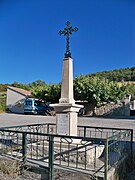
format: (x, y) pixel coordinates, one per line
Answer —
(49, 93)
(3, 87)
(118, 75)
(98, 90)
(2, 108)
(53, 93)
(37, 83)
(22, 86)
(37, 92)
(131, 89)
(2, 102)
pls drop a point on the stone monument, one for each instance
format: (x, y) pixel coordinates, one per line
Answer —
(66, 110)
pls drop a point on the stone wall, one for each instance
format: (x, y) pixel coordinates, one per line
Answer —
(112, 109)
(108, 109)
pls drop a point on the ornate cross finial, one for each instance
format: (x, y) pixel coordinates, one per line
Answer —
(68, 30)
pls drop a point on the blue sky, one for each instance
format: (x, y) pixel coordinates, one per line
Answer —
(31, 49)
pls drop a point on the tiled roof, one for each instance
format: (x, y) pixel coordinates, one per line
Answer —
(20, 91)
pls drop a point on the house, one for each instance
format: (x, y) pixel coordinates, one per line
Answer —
(15, 99)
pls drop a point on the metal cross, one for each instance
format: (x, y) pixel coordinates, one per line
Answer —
(68, 30)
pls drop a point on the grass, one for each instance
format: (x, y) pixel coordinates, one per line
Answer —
(3, 107)
(10, 167)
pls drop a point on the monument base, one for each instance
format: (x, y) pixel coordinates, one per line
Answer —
(66, 123)
(66, 118)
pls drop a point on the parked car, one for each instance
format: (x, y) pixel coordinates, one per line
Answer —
(81, 112)
(36, 106)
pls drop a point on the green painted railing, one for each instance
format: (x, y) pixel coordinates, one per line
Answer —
(94, 151)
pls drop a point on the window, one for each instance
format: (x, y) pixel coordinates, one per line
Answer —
(28, 103)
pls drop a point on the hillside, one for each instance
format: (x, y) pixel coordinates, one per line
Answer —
(118, 75)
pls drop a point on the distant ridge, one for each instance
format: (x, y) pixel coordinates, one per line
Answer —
(118, 75)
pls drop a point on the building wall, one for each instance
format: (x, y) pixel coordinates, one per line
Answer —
(15, 101)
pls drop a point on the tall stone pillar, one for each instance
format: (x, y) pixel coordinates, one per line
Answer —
(66, 110)
(67, 82)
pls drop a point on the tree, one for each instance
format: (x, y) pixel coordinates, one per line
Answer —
(49, 93)
(131, 90)
(98, 90)
(37, 83)
(19, 85)
(3, 87)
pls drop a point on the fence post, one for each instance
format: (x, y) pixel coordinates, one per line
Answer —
(24, 146)
(106, 160)
(131, 148)
(51, 157)
(47, 128)
(84, 131)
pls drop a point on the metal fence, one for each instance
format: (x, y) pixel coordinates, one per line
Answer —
(94, 151)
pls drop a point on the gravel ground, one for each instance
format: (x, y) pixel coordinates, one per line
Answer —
(26, 176)
(58, 176)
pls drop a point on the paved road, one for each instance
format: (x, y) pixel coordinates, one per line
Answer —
(20, 119)
(10, 119)
(127, 123)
